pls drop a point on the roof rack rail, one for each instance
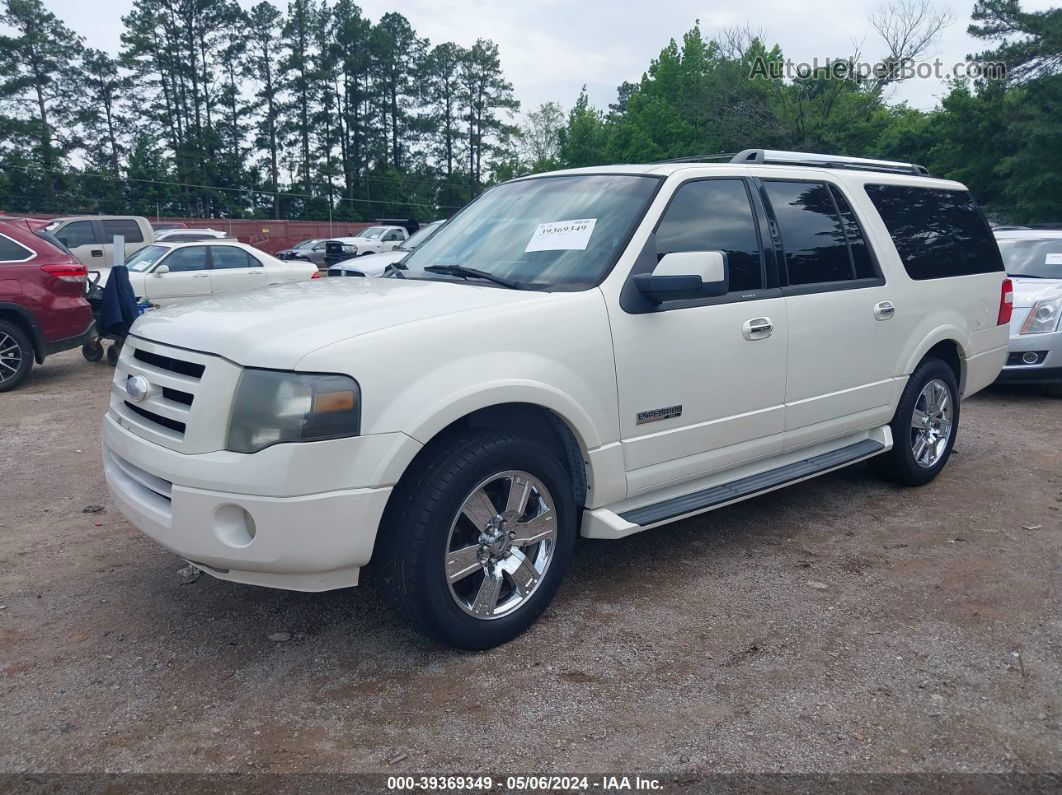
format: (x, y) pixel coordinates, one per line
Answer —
(726, 156)
(827, 161)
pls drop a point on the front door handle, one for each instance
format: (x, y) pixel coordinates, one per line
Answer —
(202, 275)
(883, 310)
(757, 328)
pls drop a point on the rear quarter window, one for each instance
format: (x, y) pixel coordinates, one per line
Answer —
(10, 251)
(938, 233)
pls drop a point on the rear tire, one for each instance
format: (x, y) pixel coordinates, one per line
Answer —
(923, 428)
(458, 554)
(16, 356)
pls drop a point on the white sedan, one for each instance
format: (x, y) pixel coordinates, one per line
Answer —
(166, 273)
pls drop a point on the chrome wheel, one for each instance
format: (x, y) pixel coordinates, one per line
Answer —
(931, 423)
(10, 357)
(500, 545)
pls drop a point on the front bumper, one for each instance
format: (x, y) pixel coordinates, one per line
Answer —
(307, 542)
(1047, 370)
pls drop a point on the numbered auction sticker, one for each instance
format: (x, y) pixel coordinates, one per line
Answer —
(561, 235)
(1053, 259)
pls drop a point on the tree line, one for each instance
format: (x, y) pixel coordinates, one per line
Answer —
(1001, 135)
(210, 110)
(316, 111)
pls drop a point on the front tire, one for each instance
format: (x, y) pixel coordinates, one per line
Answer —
(477, 538)
(923, 428)
(16, 356)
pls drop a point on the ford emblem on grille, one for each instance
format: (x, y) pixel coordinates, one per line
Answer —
(138, 387)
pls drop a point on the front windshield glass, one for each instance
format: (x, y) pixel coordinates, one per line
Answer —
(1040, 258)
(142, 260)
(371, 232)
(303, 244)
(548, 233)
(420, 236)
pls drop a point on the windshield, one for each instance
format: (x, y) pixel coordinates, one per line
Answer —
(1033, 257)
(420, 236)
(548, 233)
(304, 244)
(372, 232)
(142, 260)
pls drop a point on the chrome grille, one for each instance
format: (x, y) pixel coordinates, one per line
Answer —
(186, 407)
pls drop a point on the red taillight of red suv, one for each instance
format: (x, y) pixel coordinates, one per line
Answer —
(76, 274)
(1006, 303)
(316, 275)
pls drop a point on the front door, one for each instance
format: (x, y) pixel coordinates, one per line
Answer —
(702, 383)
(188, 276)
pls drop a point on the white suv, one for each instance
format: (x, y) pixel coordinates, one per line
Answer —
(597, 351)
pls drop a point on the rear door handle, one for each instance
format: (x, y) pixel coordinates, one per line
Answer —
(96, 252)
(883, 310)
(757, 328)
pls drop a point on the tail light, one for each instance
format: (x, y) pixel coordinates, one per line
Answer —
(1006, 303)
(316, 275)
(71, 274)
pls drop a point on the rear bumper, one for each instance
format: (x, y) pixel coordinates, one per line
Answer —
(70, 342)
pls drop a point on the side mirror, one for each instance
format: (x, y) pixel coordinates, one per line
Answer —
(160, 271)
(684, 275)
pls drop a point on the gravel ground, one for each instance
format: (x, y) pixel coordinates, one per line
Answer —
(842, 625)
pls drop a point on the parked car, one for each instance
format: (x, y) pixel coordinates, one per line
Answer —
(91, 237)
(371, 240)
(1033, 258)
(160, 226)
(300, 250)
(376, 264)
(191, 235)
(601, 350)
(42, 299)
(167, 272)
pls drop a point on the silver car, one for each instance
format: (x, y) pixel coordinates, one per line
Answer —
(1033, 258)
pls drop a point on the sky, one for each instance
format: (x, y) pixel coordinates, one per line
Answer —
(551, 48)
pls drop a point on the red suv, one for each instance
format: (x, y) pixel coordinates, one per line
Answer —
(42, 299)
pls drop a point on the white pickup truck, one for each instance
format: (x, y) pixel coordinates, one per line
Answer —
(598, 351)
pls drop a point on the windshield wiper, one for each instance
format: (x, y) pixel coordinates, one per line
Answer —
(473, 273)
(396, 269)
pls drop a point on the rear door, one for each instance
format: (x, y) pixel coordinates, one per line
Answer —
(702, 382)
(128, 229)
(188, 276)
(234, 269)
(846, 327)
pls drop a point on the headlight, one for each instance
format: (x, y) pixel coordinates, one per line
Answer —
(1043, 317)
(273, 407)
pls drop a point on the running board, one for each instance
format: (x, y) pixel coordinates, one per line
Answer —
(753, 484)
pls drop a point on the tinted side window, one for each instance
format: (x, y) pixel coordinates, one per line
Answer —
(130, 230)
(77, 233)
(857, 245)
(938, 233)
(10, 251)
(229, 257)
(714, 215)
(192, 258)
(816, 248)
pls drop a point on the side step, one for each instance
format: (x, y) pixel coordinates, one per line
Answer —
(744, 487)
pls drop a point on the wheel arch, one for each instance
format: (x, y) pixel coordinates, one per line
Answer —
(942, 344)
(20, 316)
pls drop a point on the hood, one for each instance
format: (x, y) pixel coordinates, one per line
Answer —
(371, 264)
(277, 326)
(1028, 291)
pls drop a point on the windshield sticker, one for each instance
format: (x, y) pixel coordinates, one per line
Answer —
(1053, 259)
(562, 235)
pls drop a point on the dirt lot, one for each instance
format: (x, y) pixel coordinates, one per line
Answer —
(841, 625)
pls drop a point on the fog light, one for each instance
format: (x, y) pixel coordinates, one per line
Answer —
(233, 526)
(1029, 357)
